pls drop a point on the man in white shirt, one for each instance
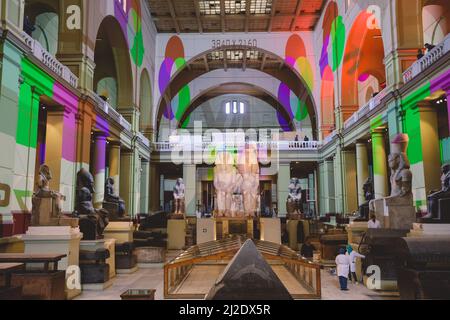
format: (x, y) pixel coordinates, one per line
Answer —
(373, 222)
(343, 268)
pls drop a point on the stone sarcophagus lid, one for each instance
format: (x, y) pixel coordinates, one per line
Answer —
(424, 268)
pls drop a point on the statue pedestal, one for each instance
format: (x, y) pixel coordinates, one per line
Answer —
(291, 227)
(176, 234)
(355, 231)
(429, 230)
(110, 245)
(55, 240)
(400, 217)
(206, 230)
(270, 230)
(120, 231)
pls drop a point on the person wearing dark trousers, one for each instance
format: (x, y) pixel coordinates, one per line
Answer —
(343, 268)
(352, 255)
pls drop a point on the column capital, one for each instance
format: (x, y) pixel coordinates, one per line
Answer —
(378, 131)
(100, 135)
(114, 144)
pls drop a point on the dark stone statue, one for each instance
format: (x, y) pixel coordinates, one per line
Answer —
(439, 201)
(112, 203)
(92, 221)
(368, 196)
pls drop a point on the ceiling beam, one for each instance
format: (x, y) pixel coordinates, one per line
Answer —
(222, 15)
(247, 15)
(198, 16)
(297, 13)
(272, 15)
(173, 15)
(235, 17)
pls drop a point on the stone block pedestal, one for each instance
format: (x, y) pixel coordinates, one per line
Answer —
(206, 230)
(395, 217)
(429, 230)
(120, 231)
(110, 245)
(176, 234)
(55, 240)
(271, 230)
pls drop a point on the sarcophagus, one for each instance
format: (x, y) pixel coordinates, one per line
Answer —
(41, 285)
(94, 269)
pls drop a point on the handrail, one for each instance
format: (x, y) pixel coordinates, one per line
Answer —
(427, 60)
(49, 60)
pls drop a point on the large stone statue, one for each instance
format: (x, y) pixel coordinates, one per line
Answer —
(397, 211)
(46, 204)
(179, 192)
(92, 221)
(248, 167)
(439, 202)
(293, 204)
(368, 196)
(224, 182)
(237, 202)
(113, 203)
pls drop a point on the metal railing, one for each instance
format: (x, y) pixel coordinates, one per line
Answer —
(426, 61)
(205, 146)
(364, 110)
(109, 110)
(49, 60)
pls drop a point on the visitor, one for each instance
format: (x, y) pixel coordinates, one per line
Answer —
(343, 268)
(429, 47)
(307, 250)
(373, 222)
(420, 54)
(306, 139)
(352, 254)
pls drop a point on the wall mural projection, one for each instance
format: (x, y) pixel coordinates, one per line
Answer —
(129, 15)
(174, 60)
(296, 57)
(330, 59)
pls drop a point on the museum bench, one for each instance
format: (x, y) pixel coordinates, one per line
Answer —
(140, 294)
(6, 291)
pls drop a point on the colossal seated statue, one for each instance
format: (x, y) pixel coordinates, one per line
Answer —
(92, 221)
(113, 203)
(397, 211)
(293, 204)
(248, 167)
(368, 196)
(224, 182)
(46, 204)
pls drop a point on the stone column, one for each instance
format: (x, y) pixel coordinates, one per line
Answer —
(145, 183)
(284, 176)
(350, 182)
(362, 168)
(339, 180)
(326, 187)
(99, 167)
(114, 164)
(380, 168)
(154, 189)
(54, 145)
(126, 181)
(190, 178)
(447, 94)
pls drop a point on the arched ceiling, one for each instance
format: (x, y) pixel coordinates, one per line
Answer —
(236, 88)
(242, 57)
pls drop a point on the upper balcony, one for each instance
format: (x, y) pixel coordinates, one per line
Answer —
(428, 60)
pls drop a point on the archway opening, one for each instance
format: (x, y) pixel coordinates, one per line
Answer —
(435, 21)
(113, 76)
(145, 103)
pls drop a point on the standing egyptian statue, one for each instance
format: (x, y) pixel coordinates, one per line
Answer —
(294, 198)
(248, 167)
(179, 192)
(92, 221)
(224, 182)
(434, 209)
(53, 211)
(237, 205)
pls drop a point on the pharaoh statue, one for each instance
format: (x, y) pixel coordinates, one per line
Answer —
(248, 167)
(112, 202)
(179, 191)
(368, 196)
(224, 182)
(92, 221)
(46, 204)
(293, 203)
(397, 211)
(237, 202)
(439, 201)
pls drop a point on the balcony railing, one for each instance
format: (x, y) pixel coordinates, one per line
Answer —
(143, 139)
(49, 60)
(109, 110)
(369, 106)
(205, 146)
(425, 62)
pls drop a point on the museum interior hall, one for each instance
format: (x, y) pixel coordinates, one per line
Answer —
(224, 150)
